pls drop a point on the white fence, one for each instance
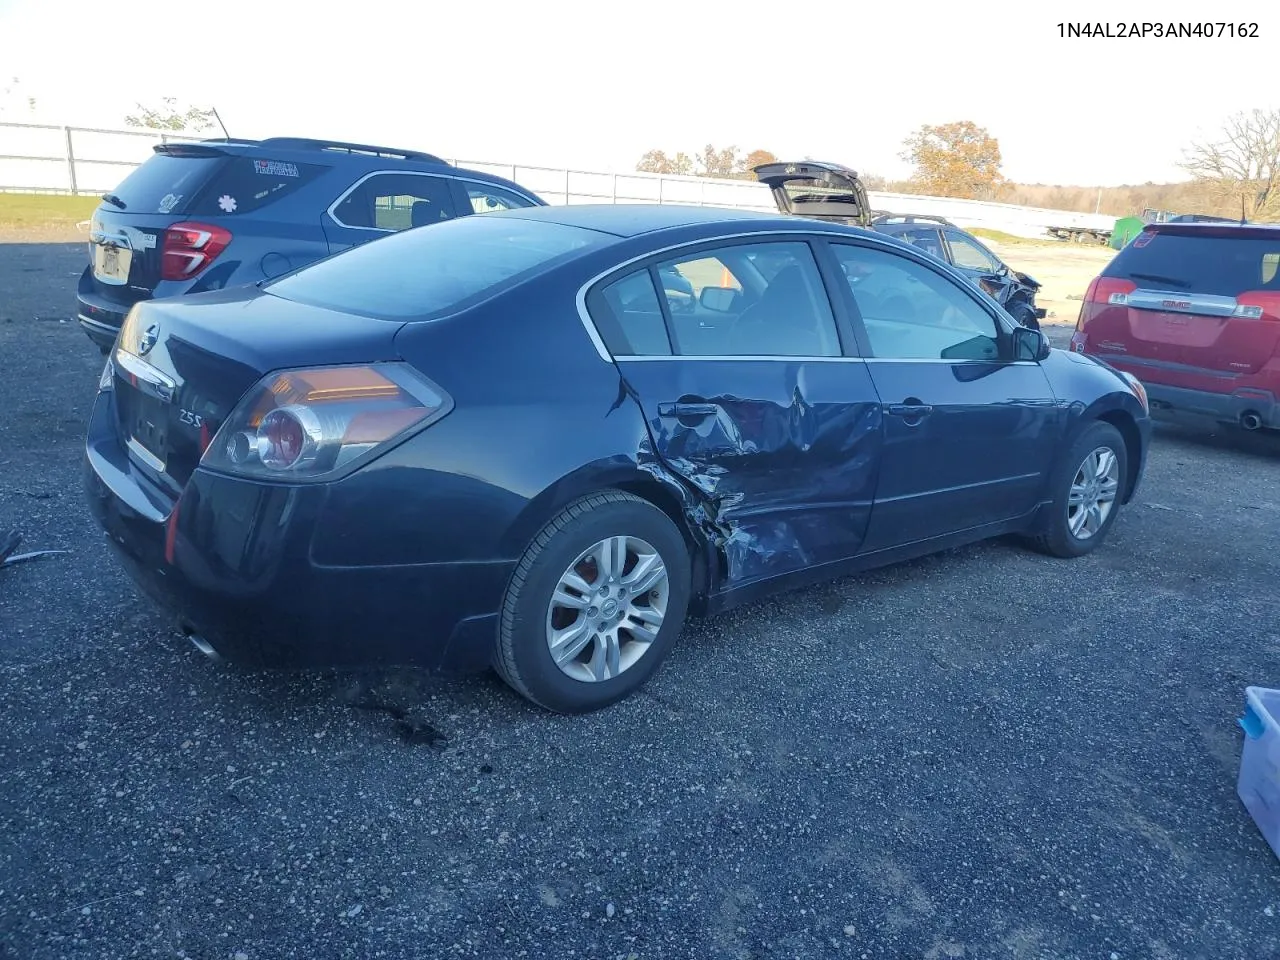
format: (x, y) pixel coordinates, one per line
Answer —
(54, 159)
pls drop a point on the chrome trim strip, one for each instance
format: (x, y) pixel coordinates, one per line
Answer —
(744, 356)
(784, 359)
(98, 324)
(860, 239)
(419, 173)
(145, 455)
(149, 379)
(581, 298)
(1172, 301)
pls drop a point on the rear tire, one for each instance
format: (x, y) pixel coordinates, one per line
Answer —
(594, 605)
(1086, 488)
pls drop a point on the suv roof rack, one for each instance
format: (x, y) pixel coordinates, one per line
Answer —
(912, 218)
(305, 143)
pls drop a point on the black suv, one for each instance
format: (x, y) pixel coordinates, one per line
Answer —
(830, 191)
(209, 214)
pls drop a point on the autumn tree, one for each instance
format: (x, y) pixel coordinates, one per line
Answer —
(954, 160)
(712, 161)
(657, 161)
(170, 116)
(756, 158)
(1241, 169)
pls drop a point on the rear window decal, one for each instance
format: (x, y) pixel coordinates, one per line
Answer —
(227, 203)
(169, 201)
(275, 168)
(1142, 239)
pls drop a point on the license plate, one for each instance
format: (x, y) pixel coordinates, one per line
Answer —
(111, 263)
(147, 422)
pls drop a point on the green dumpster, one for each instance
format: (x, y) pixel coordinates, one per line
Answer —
(1126, 229)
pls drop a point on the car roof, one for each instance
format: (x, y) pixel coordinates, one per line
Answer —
(635, 219)
(1227, 230)
(308, 149)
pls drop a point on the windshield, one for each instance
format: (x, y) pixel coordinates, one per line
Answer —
(437, 269)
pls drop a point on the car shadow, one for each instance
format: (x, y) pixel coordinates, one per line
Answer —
(1264, 444)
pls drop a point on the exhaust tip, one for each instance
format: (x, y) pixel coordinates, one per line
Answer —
(204, 646)
(1250, 420)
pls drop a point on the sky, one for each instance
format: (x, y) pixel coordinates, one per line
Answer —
(593, 85)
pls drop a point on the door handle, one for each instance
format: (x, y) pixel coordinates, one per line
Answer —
(911, 411)
(687, 410)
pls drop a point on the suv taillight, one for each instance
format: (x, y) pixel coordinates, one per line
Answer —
(1103, 292)
(1258, 305)
(190, 247)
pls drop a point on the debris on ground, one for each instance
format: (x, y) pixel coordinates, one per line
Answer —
(9, 542)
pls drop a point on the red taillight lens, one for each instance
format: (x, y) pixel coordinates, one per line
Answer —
(1103, 292)
(1259, 305)
(282, 439)
(1110, 290)
(190, 247)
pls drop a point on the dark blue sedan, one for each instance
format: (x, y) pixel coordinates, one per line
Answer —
(496, 441)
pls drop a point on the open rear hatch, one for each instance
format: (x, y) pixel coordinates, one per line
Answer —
(1191, 295)
(824, 191)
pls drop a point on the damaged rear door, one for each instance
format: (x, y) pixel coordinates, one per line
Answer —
(751, 400)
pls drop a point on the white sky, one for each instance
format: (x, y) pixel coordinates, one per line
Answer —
(593, 85)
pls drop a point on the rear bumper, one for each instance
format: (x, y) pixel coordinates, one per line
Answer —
(1225, 407)
(100, 317)
(231, 562)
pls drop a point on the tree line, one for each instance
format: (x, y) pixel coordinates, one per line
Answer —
(1236, 173)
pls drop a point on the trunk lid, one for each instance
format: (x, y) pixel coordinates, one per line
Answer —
(824, 191)
(1194, 295)
(182, 365)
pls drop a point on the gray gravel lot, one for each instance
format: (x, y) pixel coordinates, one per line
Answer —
(983, 754)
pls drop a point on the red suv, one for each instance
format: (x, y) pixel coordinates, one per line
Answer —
(1193, 311)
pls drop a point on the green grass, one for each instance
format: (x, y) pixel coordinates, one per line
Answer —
(34, 210)
(1009, 239)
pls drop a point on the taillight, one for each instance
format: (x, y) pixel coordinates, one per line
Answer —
(1110, 290)
(1103, 292)
(1258, 305)
(190, 247)
(312, 424)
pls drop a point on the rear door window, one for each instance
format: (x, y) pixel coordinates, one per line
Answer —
(421, 274)
(968, 255)
(484, 198)
(396, 201)
(1212, 262)
(245, 184)
(165, 184)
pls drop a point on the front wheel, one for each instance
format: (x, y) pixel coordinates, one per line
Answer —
(1086, 489)
(594, 605)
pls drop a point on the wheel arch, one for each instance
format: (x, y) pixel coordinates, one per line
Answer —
(1124, 422)
(650, 483)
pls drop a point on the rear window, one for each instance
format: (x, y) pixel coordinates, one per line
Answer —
(817, 197)
(245, 184)
(437, 269)
(165, 184)
(1213, 263)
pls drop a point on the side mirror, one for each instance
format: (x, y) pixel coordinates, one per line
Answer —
(1030, 344)
(718, 299)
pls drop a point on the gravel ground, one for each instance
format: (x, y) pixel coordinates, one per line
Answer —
(982, 754)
